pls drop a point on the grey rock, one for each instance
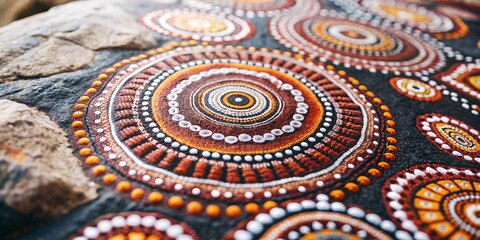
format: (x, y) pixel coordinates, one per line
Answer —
(85, 25)
(39, 175)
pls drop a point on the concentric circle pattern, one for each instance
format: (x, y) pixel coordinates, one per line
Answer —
(451, 136)
(413, 15)
(230, 123)
(198, 25)
(135, 225)
(441, 201)
(464, 78)
(250, 9)
(415, 89)
(355, 43)
(308, 219)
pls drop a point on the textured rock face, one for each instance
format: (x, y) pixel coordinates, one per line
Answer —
(13, 10)
(71, 33)
(38, 173)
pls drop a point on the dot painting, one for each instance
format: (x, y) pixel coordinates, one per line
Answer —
(242, 134)
(440, 201)
(415, 89)
(451, 136)
(250, 9)
(328, 35)
(320, 219)
(412, 15)
(198, 25)
(135, 225)
(464, 78)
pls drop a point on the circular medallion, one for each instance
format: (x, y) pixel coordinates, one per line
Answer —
(354, 43)
(412, 15)
(317, 220)
(250, 9)
(198, 25)
(464, 78)
(451, 136)
(237, 124)
(135, 225)
(442, 201)
(415, 89)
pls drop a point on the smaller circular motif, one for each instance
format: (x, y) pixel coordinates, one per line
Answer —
(440, 201)
(354, 42)
(415, 89)
(451, 136)
(412, 15)
(464, 78)
(135, 225)
(198, 25)
(320, 219)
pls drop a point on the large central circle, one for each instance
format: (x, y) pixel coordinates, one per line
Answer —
(236, 109)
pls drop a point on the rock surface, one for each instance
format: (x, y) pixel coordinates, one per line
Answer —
(14, 10)
(31, 47)
(38, 173)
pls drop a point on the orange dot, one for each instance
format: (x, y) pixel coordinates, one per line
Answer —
(233, 211)
(342, 73)
(155, 197)
(85, 152)
(83, 141)
(125, 61)
(377, 100)
(387, 115)
(100, 169)
(153, 237)
(124, 186)
(330, 67)
(137, 194)
(92, 160)
(364, 181)
(337, 194)
(370, 94)
(117, 65)
(77, 124)
(269, 205)
(110, 70)
(102, 76)
(391, 123)
(362, 87)
(391, 148)
(134, 59)
(385, 108)
(77, 114)
(352, 187)
(374, 172)
(80, 133)
(136, 236)
(175, 202)
(109, 179)
(96, 83)
(384, 165)
(192, 42)
(390, 157)
(142, 56)
(194, 207)
(213, 210)
(252, 208)
(84, 98)
(391, 131)
(80, 106)
(91, 91)
(392, 140)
